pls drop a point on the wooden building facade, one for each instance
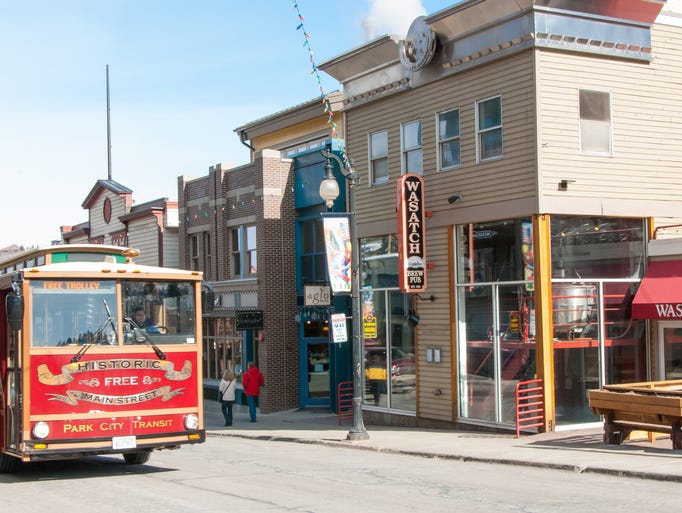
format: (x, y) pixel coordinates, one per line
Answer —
(547, 136)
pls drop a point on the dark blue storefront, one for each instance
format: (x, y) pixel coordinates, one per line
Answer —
(322, 363)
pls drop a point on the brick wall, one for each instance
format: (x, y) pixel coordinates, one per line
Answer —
(261, 192)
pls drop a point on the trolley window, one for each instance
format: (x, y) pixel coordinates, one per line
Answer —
(158, 312)
(73, 312)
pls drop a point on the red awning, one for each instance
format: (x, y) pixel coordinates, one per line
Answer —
(660, 294)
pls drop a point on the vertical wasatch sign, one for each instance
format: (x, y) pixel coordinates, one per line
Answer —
(411, 233)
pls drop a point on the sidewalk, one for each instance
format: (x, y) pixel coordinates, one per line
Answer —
(578, 451)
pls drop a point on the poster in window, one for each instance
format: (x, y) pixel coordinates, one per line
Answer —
(527, 254)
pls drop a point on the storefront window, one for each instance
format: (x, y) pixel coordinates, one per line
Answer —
(494, 252)
(597, 247)
(496, 312)
(387, 333)
(379, 262)
(222, 347)
(597, 264)
(498, 349)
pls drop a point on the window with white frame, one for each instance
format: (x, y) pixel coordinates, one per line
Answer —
(449, 152)
(378, 157)
(595, 123)
(489, 129)
(243, 251)
(301, 147)
(250, 254)
(411, 140)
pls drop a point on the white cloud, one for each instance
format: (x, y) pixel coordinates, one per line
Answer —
(391, 17)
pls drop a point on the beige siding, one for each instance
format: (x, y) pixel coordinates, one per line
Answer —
(80, 240)
(433, 331)
(171, 251)
(487, 189)
(491, 184)
(97, 225)
(143, 235)
(643, 177)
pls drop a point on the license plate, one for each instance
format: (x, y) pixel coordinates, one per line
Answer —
(123, 442)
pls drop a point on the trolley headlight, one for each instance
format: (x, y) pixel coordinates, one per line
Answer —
(40, 430)
(191, 421)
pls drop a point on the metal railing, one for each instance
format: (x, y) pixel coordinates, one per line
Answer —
(530, 405)
(344, 400)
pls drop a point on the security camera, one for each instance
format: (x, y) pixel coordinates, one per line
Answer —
(454, 198)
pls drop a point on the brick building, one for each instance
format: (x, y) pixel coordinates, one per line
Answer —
(240, 227)
(237, 227)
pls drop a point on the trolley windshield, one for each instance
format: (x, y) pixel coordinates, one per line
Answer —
(79, 312)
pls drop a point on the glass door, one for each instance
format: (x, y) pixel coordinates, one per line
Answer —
(595, 343)
(317, 389)
(497, 348)
(670, 350)
(316, 375)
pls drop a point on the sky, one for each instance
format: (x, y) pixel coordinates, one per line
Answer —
(183, 75)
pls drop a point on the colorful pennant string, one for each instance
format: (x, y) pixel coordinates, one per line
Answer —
(325, 101)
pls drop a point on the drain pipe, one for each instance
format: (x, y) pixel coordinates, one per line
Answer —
(243, 139)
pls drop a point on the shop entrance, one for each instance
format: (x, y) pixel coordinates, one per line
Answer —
(314, 362)
(595, 343)
(315, 375)
(497, 348)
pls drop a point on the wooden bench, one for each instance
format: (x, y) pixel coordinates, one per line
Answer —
(652, 406)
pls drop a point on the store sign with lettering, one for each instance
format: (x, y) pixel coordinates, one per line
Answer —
(411, 234)
(317, 295)
(249, 320)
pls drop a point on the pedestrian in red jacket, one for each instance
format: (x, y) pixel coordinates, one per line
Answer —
(252, 380)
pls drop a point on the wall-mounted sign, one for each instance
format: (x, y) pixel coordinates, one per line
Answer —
(411, 234)
(339, 330)
(317, 295)
(249, 320)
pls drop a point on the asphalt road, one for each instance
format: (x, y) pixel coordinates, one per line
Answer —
(252, 476)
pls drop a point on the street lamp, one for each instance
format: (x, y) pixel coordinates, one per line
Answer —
(329, 191)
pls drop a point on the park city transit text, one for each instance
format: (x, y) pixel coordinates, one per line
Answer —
(111, 426)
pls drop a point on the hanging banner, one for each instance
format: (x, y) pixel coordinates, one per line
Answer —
(338, 248)
(411, 234)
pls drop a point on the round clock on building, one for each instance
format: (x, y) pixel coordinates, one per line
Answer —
(419, 46)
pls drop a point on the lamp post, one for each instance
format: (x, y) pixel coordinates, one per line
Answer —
(329, 191)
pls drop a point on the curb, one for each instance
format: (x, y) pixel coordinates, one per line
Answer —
(456, 457)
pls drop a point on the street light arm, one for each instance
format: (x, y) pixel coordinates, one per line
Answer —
(348, 174)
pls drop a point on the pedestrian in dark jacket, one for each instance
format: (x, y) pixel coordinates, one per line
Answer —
(252, 380)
